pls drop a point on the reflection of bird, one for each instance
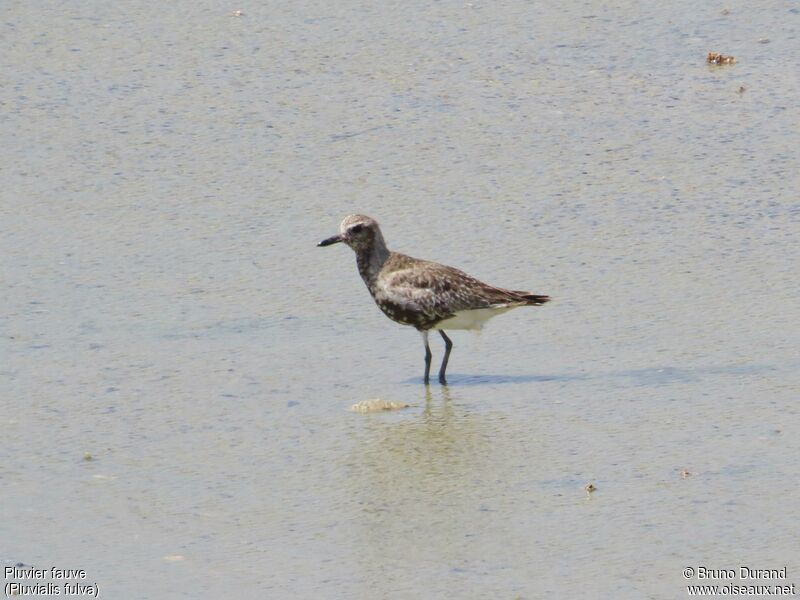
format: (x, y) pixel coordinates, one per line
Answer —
(424, 294)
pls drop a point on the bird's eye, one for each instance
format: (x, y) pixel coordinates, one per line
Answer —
(357, 228)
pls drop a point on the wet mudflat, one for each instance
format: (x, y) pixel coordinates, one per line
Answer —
(178, 360)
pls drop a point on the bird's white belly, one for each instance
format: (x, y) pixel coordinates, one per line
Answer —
(471, 319)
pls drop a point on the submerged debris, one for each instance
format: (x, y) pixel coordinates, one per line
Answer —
(715, 58)
(375, 405)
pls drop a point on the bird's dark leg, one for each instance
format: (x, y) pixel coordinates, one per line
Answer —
(448, 345)
(426, 379)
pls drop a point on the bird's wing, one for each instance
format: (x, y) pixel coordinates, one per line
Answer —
(439, 291)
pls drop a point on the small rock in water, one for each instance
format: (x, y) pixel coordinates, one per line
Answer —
(375, 405)
(715, 58)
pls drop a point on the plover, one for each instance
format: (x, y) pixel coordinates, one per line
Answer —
(424, 294)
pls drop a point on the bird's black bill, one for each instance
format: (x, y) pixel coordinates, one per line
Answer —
(334, 239)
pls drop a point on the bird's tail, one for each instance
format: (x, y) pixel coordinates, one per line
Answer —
(532, 299)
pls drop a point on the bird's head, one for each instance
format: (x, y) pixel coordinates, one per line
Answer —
(357, 231)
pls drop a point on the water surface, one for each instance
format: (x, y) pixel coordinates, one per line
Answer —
(166, 172)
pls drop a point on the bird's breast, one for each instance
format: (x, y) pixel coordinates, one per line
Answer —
(400, 309)
(401, 313)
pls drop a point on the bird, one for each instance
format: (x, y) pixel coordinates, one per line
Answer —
(424, 294)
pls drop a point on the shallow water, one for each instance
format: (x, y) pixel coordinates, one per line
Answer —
(166, 173)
